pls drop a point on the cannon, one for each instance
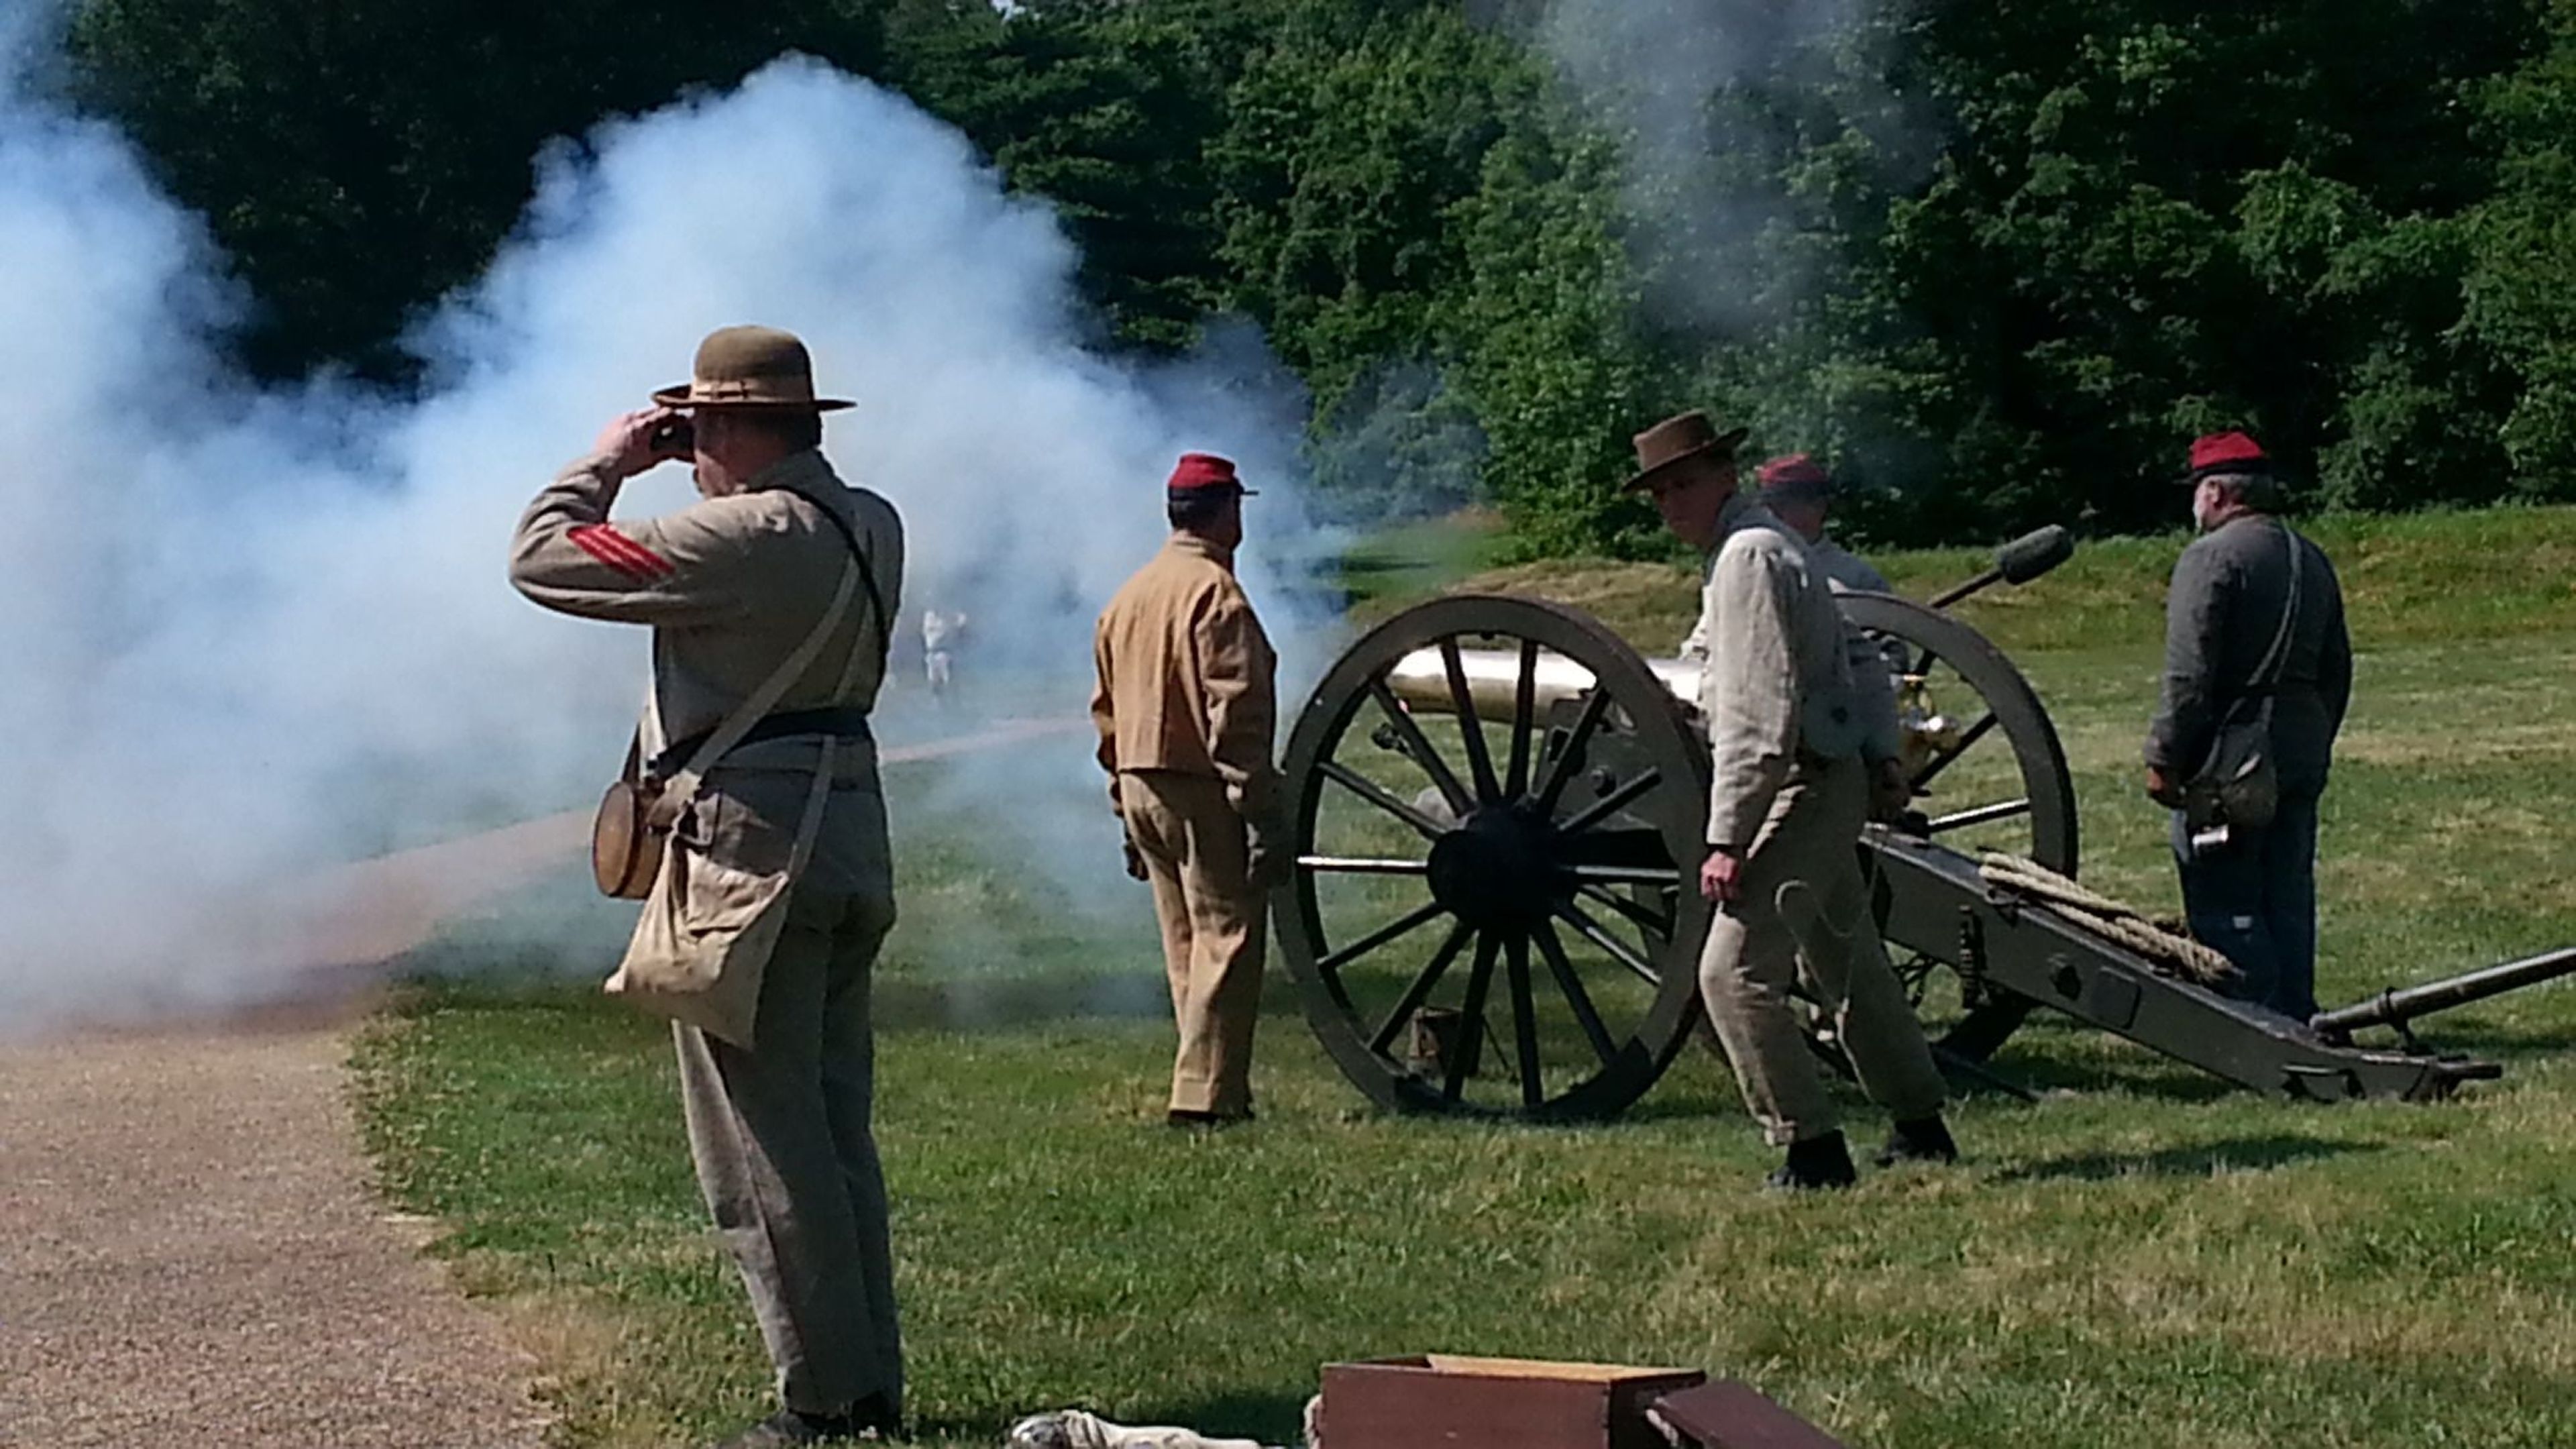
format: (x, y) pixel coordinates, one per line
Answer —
(1497, 818)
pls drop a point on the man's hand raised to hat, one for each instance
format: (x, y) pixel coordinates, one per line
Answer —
(627, 442)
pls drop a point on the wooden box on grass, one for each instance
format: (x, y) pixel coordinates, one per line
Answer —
(1435, 1401)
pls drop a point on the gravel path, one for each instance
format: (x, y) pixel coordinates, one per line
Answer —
(189, 1255)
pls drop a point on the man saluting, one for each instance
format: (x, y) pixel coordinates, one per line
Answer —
(772, 596)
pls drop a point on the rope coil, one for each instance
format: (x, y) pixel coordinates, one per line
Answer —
(2112, 920)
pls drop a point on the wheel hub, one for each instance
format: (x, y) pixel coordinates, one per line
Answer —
(1498, 868)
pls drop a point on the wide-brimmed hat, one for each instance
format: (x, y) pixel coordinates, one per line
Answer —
(1204, 475)
(749, 367)
(1794, 476)
(2230, 452)
(1678, 440)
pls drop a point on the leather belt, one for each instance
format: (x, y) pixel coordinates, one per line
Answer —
(843, 722)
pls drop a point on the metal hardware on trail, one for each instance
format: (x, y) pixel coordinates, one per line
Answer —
(1498, 812)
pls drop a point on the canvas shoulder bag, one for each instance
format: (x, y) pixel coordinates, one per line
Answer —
(703, 944)
(2239, 784)
(633, 826)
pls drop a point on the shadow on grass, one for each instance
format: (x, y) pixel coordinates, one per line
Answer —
(2470, 1037)
(1271, 1418)
(2208, 1159)
(2151, 1077)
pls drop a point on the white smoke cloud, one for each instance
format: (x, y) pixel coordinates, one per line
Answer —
(245, 633)
(1698, 175)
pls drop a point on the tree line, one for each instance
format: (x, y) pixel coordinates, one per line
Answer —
(1993, 260)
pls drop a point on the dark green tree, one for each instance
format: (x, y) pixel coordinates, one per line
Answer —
(1552, 362)
(2522, 279)
(359, 158)
(1106, 110)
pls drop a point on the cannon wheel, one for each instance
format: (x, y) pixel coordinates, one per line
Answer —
(1489, 913)
(2002, 784)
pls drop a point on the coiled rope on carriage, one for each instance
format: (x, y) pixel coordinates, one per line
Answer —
(2115, 921)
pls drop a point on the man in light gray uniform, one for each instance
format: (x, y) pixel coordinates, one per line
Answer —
(1789, 793)
(733, 587)
(2254, 896)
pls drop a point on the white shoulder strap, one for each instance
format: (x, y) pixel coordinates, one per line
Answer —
(683, 787)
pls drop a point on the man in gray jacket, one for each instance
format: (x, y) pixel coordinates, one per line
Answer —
(1800, 493)
(2253, 895)
(1789, 792)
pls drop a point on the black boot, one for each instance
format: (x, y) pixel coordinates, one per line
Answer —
(1194, 1120)
(1924, 1139)
(1813, 1163)
(789, 1428)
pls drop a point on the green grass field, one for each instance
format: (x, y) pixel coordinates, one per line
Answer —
(2139, 1259)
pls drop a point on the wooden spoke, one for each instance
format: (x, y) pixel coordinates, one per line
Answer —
(1595, 705)
(1666, 879)
(1401, 926)
(1418, 746)
(1524, 716)
(1362, 865)
(1585, 732)
(1570, 985)
(1381, 797)
(1618, 950)
(1420, 990)
(1610, 804)
(1524, 1021)
(1982, 815)
(1471, 1019)
(1652, 922)
(1471, 730)
(1946, 758)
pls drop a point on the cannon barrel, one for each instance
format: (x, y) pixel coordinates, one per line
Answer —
(1492, 677)
(2016, 563)
(2403, 1004)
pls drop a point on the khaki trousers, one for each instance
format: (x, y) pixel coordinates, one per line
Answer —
(788, 1162)
(1802, 919)
(1213, 930)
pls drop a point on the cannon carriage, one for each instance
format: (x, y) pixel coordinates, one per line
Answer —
(1498, 813)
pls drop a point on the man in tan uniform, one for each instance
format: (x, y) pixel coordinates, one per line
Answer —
(1185, 708)
(1787, 723)
(732, 586)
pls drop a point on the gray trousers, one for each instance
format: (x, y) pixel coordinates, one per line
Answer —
(2254, 899)
(1802, 921)
(788, 1163)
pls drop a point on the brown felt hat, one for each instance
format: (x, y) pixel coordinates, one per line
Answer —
(749, 367)
(1677, 440)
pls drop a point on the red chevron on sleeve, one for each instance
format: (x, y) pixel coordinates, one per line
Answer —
(604, 543)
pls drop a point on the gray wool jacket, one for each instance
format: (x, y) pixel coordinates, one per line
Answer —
(1777, 682)
(2221, 612)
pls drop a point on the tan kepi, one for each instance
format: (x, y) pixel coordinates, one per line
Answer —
(749, 367)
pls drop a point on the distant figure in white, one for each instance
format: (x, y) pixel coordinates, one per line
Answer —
(940, 633)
